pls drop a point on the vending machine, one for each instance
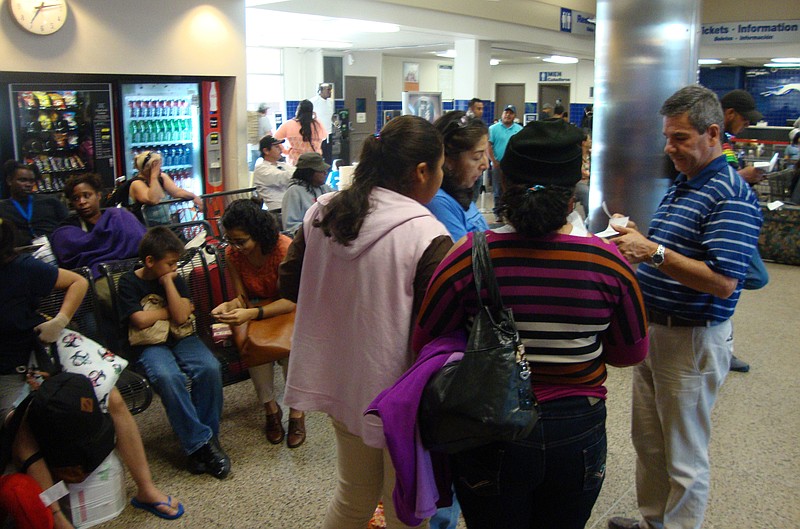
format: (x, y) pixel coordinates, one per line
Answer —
(212, 136)
(164, 117)
(63, 129)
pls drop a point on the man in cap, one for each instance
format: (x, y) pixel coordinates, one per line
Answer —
(271, 178)
(546, 112)
(692, 265)
(739, 110)
(499, 134)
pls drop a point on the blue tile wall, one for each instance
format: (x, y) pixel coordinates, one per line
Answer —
(761, 83)
(777, 101)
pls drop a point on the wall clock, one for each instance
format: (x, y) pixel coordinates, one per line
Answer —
(40, 17)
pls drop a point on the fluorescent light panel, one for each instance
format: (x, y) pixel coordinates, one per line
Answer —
(560, 59)
(709, 61)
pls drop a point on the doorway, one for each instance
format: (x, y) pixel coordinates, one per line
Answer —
(555, 94)
(509, 94)
(360, 94)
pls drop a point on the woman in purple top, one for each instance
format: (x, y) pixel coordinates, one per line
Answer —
(577, 306)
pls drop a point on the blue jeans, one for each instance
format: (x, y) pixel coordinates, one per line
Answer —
(194, 416)
(446, 517)
(550, 479)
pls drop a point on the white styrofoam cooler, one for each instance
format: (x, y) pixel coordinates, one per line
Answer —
(100, 497)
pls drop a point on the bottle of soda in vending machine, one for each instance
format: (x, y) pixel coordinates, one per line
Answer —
(134, 131)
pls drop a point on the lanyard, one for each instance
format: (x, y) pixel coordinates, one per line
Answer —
(26, 214)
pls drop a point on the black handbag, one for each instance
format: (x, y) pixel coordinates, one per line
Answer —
(486, 396)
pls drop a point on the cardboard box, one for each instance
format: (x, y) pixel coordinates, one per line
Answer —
(101, 496)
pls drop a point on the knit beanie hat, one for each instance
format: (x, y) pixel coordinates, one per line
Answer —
(544, 153)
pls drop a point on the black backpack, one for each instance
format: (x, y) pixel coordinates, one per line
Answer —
(73, 433)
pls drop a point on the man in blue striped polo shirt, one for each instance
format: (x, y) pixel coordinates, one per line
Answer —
(693, 264)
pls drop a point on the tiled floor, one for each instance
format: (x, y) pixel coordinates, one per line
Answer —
(755, 451)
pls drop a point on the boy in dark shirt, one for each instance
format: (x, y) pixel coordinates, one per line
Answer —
(194, 417)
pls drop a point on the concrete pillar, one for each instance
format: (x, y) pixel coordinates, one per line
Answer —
(642, 56)
(471, 71)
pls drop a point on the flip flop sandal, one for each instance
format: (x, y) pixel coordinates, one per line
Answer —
(152, 508)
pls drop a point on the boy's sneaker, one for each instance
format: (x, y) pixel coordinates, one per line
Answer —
(739, 365)
(210, 459)
(618, 522)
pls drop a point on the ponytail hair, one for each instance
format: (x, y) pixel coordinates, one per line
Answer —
(305, 115)
(538, 210)
(387, 160)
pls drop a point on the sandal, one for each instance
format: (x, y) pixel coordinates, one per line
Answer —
(274, 427)
(297, 431)
(152, 508)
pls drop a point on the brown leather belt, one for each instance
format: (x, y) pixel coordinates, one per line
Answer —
(653, 316)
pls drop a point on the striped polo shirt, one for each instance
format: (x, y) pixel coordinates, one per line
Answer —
(575, 300)
(714, 218)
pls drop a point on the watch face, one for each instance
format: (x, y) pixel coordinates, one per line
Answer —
(41, 17)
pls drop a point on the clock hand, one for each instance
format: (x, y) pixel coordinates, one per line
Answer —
(38, 10)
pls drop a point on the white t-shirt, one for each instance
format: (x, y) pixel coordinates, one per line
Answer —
(324, 110)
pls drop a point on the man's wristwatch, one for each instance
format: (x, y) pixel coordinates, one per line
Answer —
(657, 259)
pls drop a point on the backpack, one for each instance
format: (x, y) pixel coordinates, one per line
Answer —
(119, 196)
(73, 433)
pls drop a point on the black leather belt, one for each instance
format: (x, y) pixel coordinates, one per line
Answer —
(653, 316)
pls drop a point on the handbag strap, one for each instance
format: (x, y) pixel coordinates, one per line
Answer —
(483, 272)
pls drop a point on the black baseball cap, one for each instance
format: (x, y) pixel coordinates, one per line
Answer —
(742, 102)
(268, 141)
(510, 108)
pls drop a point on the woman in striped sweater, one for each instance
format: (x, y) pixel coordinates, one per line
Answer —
(577, 306)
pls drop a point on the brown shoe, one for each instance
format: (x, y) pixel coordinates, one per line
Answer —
(274, 427)
(297, 431)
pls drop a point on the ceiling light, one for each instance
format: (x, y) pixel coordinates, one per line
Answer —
(494, 62)
(308, 43)
(709, 61)
(783, 64)
(787, 59)
(449, 54)
(560, 59)
(367, 26)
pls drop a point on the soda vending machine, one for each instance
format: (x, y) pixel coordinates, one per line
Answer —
(164, 117)
(63, 129)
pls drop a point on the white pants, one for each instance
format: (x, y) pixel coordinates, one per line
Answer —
(263, 378)
(674, 391)
(364, 476)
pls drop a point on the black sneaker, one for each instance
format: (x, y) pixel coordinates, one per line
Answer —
(739, 365)
(210, 459)
(618, 522)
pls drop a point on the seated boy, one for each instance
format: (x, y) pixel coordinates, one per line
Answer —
(194, 417)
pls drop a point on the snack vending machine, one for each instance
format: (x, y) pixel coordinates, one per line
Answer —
(63, 129)
(165, 118)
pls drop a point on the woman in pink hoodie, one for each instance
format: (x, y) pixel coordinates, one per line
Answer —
(358, 269)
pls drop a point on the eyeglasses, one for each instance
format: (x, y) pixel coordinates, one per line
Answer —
(237, 243)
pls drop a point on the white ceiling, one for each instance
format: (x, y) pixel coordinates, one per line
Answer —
(292, 23)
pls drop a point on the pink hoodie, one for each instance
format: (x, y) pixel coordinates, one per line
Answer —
(354, 311)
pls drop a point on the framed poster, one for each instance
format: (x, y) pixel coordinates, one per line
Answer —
(427, 105)
(410, 76)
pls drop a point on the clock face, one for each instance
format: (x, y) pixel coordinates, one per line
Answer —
(41, 17)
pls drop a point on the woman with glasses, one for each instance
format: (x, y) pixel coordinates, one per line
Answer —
(466, 141)
(255, 249)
